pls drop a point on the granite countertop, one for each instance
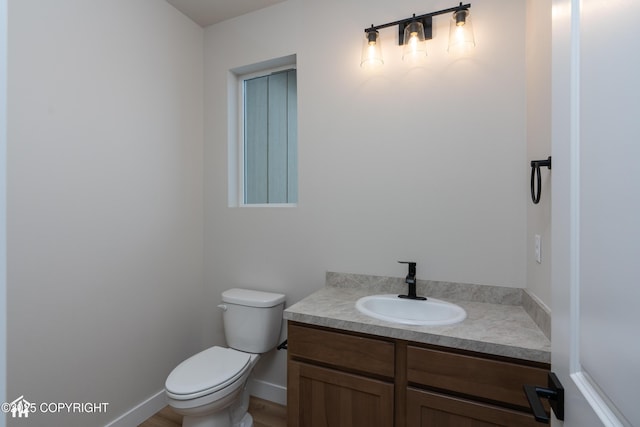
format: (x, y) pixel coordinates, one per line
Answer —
(492, 328)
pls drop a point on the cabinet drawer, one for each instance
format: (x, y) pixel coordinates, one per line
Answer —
(433, 409)
(338, 349)
(495, 380)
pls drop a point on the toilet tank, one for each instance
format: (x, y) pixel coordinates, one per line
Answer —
(252, 319)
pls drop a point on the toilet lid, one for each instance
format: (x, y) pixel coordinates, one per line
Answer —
(206, 372)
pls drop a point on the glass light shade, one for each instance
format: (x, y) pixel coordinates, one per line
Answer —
(415, 46)
(461, 37)
(371, 50)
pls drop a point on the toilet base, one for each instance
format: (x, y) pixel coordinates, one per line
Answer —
(220, 419)
(246, 421)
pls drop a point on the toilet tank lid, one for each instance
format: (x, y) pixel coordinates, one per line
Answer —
(252, 298)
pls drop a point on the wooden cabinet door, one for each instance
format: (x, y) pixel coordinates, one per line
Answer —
(320, 397)
(427, 409)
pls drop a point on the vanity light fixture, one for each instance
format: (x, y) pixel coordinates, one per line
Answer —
(413, 33)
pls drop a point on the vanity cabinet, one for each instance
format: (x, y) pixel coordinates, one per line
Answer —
(344, 379)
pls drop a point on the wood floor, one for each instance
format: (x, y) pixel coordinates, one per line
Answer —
(265, 414)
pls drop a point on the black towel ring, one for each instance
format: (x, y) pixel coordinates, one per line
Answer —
(535, 175)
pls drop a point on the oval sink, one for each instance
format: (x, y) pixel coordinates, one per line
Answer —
(432, 312)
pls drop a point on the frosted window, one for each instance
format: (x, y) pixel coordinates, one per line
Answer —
(270, 139)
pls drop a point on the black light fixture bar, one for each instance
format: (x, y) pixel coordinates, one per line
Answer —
(426, 20)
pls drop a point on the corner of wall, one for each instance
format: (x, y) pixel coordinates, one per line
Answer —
(538, 70)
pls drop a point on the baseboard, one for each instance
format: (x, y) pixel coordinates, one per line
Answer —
(268, 391)
(141, 412)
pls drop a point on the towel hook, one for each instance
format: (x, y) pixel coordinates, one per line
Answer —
(535, 176)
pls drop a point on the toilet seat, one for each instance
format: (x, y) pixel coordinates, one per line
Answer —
(204, 373)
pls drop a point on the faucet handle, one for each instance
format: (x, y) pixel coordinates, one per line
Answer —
(412, 267)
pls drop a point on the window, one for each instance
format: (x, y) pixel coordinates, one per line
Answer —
(269, 149)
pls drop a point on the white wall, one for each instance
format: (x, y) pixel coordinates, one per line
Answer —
(105, 188)
(539, 143)
(426, 164)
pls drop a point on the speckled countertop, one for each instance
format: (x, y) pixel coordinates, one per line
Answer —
(499, 328)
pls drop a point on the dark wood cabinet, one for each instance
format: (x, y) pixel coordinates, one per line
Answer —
(338, 378)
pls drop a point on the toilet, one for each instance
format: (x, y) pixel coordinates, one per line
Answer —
(209, 388)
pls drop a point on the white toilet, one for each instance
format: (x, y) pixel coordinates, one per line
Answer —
(209, 388)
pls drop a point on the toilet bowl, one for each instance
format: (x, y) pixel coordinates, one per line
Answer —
(209, 388)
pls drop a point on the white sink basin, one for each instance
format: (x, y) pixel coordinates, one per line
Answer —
(432, 312)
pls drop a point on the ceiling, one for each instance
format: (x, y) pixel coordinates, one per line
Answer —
(207, 12)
